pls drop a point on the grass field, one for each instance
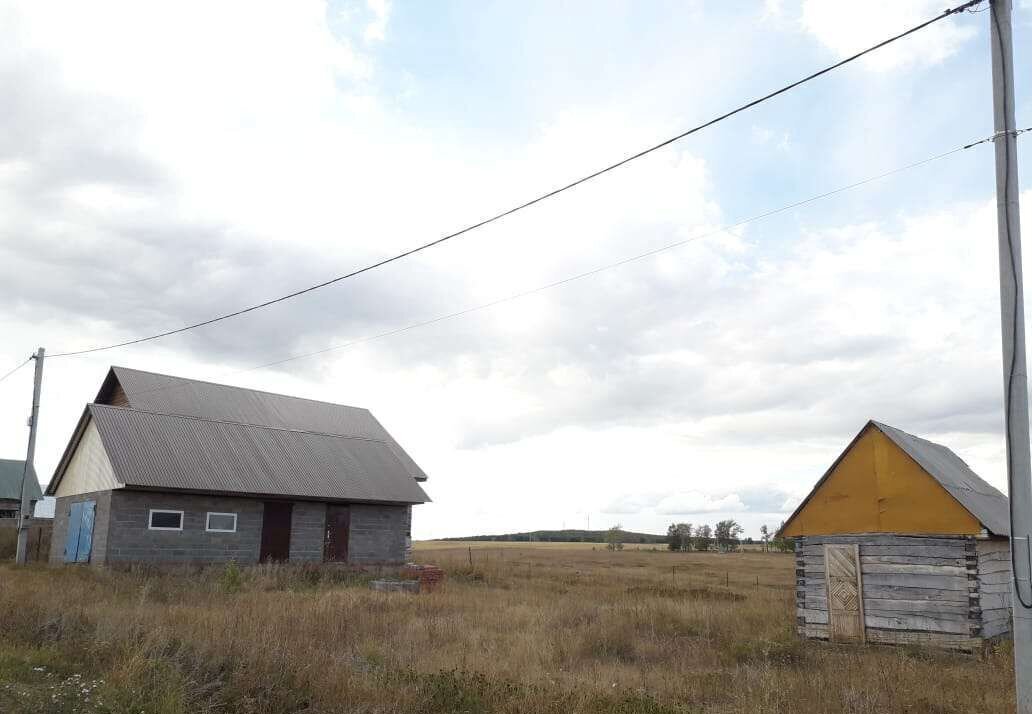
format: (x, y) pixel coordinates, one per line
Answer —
(534, 628)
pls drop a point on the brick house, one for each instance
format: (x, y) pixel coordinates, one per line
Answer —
(11, 472)
(166, 469)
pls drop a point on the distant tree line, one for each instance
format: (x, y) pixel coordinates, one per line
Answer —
(571, 536)
(726, 537)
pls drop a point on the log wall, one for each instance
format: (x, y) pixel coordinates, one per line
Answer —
(944, 591)
(994, 587)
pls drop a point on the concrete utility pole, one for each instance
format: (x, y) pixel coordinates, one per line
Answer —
(1019, 472)
(22, 553)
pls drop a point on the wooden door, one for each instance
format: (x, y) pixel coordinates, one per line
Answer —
(79, 541)
(276, 531)
(845, 593)
(338, 526)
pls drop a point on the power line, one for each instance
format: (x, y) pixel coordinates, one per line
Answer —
(15, 369)
(542, 197)
(594, 271)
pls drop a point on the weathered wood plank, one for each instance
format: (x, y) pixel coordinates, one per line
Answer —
(905, 619)
(931, 551)
(939, 582)
(994, 566)
(914, 593)
(917, 606)
(932, 639)
(994, 601)
(999, 588)
(917, 623)
(958, 561)
(872, 568)
(816, 632)
(886, 539)
(819, 617)
(995, 578)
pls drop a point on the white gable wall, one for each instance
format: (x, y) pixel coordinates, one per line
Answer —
(89, 469)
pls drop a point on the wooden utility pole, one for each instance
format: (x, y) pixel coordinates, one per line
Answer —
(22, 552)
(1015, 379)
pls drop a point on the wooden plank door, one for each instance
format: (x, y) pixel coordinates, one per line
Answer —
(79, 541)
(276, 531)
(845, 593)
(338, 526)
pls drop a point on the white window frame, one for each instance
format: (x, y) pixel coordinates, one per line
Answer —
(209, 529)
(150, 519)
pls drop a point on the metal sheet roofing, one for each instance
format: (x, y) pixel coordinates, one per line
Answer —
(982, 500)
(11, 478)
(170, 451)
(219, 402)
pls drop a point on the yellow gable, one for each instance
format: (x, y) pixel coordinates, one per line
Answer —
(877, 488)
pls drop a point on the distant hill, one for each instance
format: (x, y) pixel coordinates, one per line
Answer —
(567, 536)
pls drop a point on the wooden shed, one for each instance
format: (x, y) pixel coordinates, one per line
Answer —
(901, 542)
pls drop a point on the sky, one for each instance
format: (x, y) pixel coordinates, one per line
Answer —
(164, 163)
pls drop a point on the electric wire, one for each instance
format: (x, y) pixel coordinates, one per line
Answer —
(8, 374)
(527, 204)
(588, 273)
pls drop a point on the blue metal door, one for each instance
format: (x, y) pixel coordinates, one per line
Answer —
(79, 542)
(86, 532)
(72, 542)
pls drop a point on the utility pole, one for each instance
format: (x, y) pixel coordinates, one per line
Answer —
(21, 555)
(1019, 472)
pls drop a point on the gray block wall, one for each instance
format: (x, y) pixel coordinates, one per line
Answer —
(379, 534)
(129, 538)
(98, 552)
(307, 532)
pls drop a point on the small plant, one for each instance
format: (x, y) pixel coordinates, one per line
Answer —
(614, 538)
(231, 580)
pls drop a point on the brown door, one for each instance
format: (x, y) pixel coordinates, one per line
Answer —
(338, 525)
(276, 531)
(845, 593)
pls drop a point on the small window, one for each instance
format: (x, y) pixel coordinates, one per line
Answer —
(166, 520)
(221, 522)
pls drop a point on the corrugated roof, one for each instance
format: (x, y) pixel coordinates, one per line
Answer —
(11, 471)
(982, 500)
(219, 402)
(169, 451)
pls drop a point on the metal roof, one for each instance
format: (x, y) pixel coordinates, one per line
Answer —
(11, 471)
(983, 501)
(172, 451)
(219, 402)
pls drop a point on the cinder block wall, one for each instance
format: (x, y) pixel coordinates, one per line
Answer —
(379, 534)
(98, 552)
(129, 538)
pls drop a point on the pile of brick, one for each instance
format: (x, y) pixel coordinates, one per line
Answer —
(429, 576)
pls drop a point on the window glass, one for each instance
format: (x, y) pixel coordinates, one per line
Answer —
(170, 520)
(222, 522)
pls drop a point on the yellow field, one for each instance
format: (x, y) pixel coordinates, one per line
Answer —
(532, 628)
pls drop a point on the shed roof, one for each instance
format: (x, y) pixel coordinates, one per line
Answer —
(167, 394)
(11, 471)
(172, 451)
(984, 502)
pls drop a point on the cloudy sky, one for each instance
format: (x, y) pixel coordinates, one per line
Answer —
(163, 163)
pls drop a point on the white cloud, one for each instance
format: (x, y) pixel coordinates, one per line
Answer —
(846, 28)
(376, 30)
(694, 502)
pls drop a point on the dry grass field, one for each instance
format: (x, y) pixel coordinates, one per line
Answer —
(524, 629)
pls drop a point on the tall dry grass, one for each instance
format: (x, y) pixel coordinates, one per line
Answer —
(521, 630)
